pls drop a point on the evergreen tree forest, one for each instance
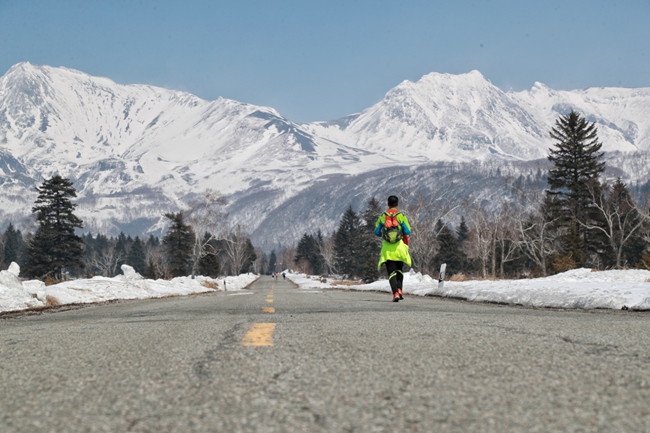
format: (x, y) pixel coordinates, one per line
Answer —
(56, 252)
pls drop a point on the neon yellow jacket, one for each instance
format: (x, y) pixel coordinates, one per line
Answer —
(398, 251)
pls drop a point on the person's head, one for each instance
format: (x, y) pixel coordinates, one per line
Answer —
(393, 201)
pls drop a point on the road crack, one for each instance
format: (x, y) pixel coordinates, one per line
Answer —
(202, 367)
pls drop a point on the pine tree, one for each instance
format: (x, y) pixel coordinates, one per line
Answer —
(273, 258)
(318, 261)
(247, 265)
(102, 243)
(14, 245)
(371, 244)
(304, 251)
(89, 242)
(178, 244)
(574, 180)
(348, 244)
(55, 246)
(121, 250)
(209, 265)
(462, 232)
(151, 271)
(449, 251)
(308, 253)
(136, 257)
(153, 242)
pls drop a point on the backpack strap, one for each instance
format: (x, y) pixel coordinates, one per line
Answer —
(393, 217)
(390, 214)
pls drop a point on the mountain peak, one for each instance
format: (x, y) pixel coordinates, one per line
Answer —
(23, 69)
(472, 78)
(444, 83)
(21, 66)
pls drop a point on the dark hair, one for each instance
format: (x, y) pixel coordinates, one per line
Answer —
(393, 201)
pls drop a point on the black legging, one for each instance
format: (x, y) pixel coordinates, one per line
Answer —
(395, 275)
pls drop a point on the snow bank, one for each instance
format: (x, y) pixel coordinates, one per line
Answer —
(12, 295)
(17, 295)
(578, 288)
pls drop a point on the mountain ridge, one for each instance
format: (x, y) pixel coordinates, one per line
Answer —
(121, 143)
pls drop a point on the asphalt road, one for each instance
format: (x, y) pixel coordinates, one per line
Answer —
(280, 359)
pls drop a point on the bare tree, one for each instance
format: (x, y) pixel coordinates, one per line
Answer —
(326, 249)
(260, 262)
(155, 256)
(285, 258)
(238, 249)
(106, 261)
(505, 236)
(423, 211)
(621, 215)
(481, 237)
(206, 216)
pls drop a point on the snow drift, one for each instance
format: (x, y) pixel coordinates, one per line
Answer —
(578, 288)
(18, 295)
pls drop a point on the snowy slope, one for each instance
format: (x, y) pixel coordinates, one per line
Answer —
(125, 144)
(444, 117)
(621, 115)
(135, 152)
(464, 117)
(60, 120)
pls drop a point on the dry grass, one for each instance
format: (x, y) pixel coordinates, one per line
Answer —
(458, 277)
(320, 279)
(563, 263)
(210, 285)
(347, 283)
(646, 261)
(51, 301)
(50, 280)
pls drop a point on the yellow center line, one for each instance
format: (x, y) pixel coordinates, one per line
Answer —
(268, 310)
(259, 334)
(269, 301)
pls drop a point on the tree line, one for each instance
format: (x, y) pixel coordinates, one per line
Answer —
(582, 219)
(198, 241)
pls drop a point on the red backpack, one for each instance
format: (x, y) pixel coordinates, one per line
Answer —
(392, 230)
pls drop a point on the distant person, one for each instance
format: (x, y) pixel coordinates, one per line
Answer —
(284, 277)
(394, 228)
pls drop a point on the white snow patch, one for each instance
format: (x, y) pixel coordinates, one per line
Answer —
(20, 295)
(578, 288)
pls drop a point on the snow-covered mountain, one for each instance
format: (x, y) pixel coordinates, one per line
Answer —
(141, 144)
(465, 117)
(444, 117)
(135, 152)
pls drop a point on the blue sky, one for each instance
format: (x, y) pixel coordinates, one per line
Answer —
(321, 60)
